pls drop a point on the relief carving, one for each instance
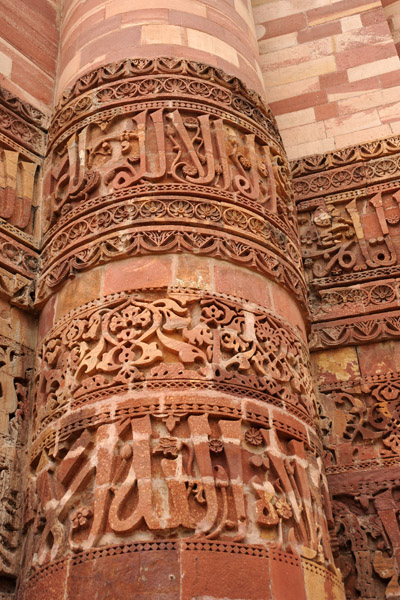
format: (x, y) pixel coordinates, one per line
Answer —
(18, 248)
(368, 536)
(350, 250)
(346, 332)
(354, 300)
(349, 220)
(131, 339)
(361, 420)
(345, 156)
(205, 478)
(24, 133)
(120, 160)
(340, 239)
(23, 109)
(15, 368)
(362, 434)
(11, 494)
(141, 77)
(171, 146)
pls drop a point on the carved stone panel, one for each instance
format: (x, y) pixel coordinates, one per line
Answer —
(179, 416)
(203, 161)
(16, 363)
(190, 339)
(199, 476)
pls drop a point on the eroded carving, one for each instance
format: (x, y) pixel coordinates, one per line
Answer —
(17, 179)
(368, 537)
(351, 238)
(15, 368)
(141, 474)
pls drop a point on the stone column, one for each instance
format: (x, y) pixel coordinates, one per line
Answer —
(173, 452)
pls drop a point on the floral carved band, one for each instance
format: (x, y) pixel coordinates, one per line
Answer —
(183, 341)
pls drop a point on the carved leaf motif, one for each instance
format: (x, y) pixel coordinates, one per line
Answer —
(393, 324)
(186, 352)
(201, 334)
(89, 362)
(335, 332)
(173, 314)
(127, 353)
(366, 327)
(93, 327)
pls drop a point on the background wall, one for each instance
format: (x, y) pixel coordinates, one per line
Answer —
(28, 49)
(331, 72)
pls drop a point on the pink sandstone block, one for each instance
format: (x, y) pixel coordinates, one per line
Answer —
(285, 25)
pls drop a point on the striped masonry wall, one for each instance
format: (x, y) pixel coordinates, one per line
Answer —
(28, 49)
(331, 72)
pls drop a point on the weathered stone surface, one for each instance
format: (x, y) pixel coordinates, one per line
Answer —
(173, 441)
(350, 248)
(169, 443)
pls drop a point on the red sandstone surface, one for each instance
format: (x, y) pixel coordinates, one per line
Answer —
(199, 369)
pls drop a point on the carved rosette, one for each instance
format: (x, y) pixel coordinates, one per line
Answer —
(175, 143)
